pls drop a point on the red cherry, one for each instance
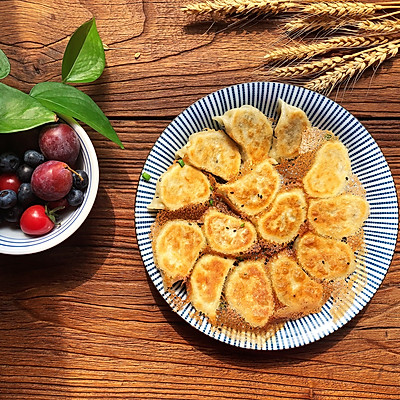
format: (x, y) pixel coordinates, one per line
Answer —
(9, 181)
(36, 220)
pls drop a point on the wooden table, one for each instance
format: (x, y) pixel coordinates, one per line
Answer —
(83, 320)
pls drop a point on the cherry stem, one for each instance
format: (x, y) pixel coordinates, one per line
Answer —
(74, 172)
(52, 214)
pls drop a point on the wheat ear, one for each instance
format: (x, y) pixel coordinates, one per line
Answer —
(229, 8)
(341, 8)
(306, 69)
(311, 24)
(310, 50)
(382, 27)
(367, 58)
(317, 66)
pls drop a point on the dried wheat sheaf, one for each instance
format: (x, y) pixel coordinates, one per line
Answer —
(357, 35)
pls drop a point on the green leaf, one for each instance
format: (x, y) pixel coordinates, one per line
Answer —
(4, 65)
(19, 112)
(84, 58)
(70, 101)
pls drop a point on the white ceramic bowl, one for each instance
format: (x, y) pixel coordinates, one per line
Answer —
(14, 241)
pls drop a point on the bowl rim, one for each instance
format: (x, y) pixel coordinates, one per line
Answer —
(90, 198)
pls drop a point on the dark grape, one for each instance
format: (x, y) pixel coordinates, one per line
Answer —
(13, 214)
(80, 181)
(25, 172)
(25, 195)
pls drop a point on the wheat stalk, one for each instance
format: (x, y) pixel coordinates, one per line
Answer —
(310, 50)
(230, 8)
(323, 16)
(367, 58)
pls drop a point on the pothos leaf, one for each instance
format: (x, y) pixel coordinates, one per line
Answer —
(4, 65)
(20, 112)
(84, 58)
(70, 101)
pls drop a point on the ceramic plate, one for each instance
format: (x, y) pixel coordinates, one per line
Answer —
(368, 163)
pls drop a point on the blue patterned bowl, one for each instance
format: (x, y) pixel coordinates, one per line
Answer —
(368, 163)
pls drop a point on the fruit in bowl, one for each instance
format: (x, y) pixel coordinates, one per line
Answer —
(59, 142)
(51, 179)
(43, 201)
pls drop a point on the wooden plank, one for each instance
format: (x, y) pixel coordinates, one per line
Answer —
(179, 61)
(83, 320)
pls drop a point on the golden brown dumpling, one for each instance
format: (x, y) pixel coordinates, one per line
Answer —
(297, 292)
(227, 234)
(327, 176)
(206, 282)
(176, 247)
(338, 217)
(248, 291)
(324, 258)
(212, 151)
(249, 128)
(179, 187)
(288, 131)
(282, 222)
(253, 191)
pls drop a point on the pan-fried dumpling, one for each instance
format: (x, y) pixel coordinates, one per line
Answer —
(282, 222)
(324, 258)
(179, 187)
(176, 248)
(212, 151)
(327, 176)
(206, 282)
(253, 191)
(338, 217)
(227, 234)
(248, 291)
(297, 292)
(249, 128)
(288, 131)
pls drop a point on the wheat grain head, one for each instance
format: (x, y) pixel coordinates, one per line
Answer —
(305, 25)
(219, 9)
(341, 8)
(375, 56)
(382, 27)
(305, 51)
(306, 69)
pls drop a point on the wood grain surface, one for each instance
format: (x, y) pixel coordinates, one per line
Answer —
(83, 320)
